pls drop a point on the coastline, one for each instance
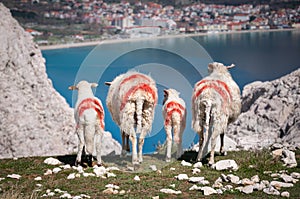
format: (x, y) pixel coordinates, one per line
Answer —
(94, 43)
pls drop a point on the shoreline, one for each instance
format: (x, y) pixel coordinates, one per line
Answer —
(95, 43)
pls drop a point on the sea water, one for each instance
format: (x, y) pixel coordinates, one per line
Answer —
(177, 62)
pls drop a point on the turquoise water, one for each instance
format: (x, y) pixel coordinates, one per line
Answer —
(177, 63)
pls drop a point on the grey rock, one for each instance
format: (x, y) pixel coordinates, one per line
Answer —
(247, 189)
(278, 185)
(270, 112)
(233, 178)
(295, 175)
(285, 194)
(271, 191)
(289, 158)
(226, 165)
(208, 190)
(288, 178)
(35, 119)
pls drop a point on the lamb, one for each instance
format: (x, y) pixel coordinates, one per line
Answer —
(174, 113)
(131, 101)
(89, 117)
(216, 102)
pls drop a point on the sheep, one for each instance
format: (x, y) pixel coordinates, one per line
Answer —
(131, 101)
(89, 117)
(216, 102)
(174, 113)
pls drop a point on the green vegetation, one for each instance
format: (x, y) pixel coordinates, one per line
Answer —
(250, 164)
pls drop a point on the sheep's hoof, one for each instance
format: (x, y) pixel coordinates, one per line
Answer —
(168, 159)
(90, 160)
(211, 164)
(77, 163)
(136, 166)
(223, 153)
(123, 153)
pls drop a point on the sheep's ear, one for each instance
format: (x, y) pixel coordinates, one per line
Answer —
(231, 66)
(94, 85)
(107, 83)
(72, 87)
(166, 92)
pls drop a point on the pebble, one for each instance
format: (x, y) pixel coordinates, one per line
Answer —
(285, 194)
(187, 164)
(14, 176)
(52, 161)
(136, 178)
(182, 177)
(170, 191)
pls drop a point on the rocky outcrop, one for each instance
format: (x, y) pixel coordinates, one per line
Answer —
(35, 120)
(270, 113)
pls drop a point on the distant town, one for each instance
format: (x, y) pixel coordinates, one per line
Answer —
(63, 21)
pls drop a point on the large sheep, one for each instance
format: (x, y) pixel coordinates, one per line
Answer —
(89, 116)
(131, 100)
(174, 113)
(216, 102)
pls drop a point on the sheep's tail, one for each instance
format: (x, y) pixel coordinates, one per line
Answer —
(208, 107)
(139, 115)
(89, 132)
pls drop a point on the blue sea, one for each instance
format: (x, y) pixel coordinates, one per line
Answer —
(174, 62)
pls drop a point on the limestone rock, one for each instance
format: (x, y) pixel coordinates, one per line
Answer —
(269, 110)
(208, 190)
(226, 164)
(35, 119)
(289, 158)
(247, 189)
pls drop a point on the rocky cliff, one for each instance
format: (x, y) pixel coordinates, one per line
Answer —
(270, 113)
(34, 119)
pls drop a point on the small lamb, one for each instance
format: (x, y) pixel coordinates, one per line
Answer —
(174, 113)
(216, 102)
(89, 116)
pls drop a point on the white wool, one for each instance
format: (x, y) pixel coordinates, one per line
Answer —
(133, 113)
(177, 121)
(88, 128)
(210, 114)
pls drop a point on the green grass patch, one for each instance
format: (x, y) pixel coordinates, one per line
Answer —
(250, 163)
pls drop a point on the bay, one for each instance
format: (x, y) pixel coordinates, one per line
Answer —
(177, 62)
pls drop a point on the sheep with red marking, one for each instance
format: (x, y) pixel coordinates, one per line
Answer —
(131, 100)
(174, 113)
(216, 102)
(89, 116)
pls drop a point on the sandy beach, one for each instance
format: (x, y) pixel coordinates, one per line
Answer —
(94, 43)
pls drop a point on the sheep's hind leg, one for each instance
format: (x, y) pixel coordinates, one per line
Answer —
(125, 144)
(169, 143)
(202, 136)
(222, 149)
(80, 145)
(98, 140)
(141, 144)
(133, 139)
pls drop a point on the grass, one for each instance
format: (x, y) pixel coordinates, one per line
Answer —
(250, 164)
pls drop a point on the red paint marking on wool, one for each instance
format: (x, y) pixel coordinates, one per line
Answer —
(169, 115)
(176, 104)
(94, 104)
(173, 107)
(134, 76)
(132, 90)
(217, 85)
(216, 88)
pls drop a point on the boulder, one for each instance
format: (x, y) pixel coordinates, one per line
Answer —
(270, 112)
(35, 119)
